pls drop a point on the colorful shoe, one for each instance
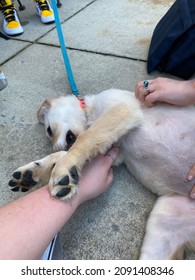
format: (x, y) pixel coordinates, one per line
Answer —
(44, 11)
(11, 22)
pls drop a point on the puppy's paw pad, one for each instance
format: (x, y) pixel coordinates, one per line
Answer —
(17, 175)
(74, 174)
(12, 183)
(66, 186)
(14, 186)
(63, 192)
(22, 181)
(24, 189)
(72, 179)
(16, 189)
(28, 179)
(64, 181)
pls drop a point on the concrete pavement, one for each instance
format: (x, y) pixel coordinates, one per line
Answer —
(107, 42)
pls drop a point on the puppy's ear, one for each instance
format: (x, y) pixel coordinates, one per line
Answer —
(43, 110)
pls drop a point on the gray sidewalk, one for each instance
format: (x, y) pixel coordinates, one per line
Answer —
(107, 42)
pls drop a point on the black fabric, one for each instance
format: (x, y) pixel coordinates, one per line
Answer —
(172, 48)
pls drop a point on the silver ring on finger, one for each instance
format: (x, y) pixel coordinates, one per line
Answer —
(146, 84)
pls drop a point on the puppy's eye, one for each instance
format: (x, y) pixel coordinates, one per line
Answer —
(49, 131)
(70, 138)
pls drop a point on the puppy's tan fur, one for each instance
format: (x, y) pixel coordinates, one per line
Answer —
(156, 144)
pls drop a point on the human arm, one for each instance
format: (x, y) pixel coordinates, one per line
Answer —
(176, 92)
(29, 223)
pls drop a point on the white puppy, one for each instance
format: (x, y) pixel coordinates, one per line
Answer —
(156, 144)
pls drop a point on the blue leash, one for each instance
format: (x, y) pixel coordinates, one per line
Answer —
(64, 51)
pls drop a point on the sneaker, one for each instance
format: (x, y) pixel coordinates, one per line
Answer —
(11, 22)
(44, 11)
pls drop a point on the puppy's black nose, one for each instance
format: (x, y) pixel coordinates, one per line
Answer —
(70, 139)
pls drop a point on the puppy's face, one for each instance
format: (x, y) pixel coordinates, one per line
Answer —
(63, 120)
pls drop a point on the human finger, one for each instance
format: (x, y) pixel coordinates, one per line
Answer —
(109, 177)
(111, 155)
(190, 177)
(192, 193)
(191, 174)
(151, 99)
(143, 89)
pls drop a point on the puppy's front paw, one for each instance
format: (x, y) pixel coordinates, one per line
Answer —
(22, 180)
(64, 186)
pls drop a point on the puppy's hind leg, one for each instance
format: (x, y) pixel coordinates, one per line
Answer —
(170, 227)
(108, 129)
(35, 172)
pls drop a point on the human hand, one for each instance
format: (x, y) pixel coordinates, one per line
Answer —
(96, 176)
(180, 93)
(191, 176)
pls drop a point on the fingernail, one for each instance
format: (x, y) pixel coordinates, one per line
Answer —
(114, 152)
(192, 195)
(190, 177)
